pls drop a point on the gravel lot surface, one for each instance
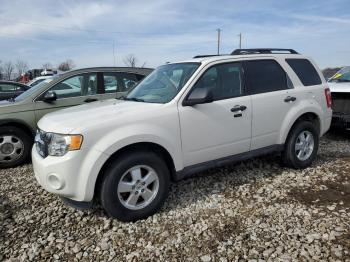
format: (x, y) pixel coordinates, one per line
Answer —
(253, 210)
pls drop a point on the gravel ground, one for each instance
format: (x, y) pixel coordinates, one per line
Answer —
(253, 210)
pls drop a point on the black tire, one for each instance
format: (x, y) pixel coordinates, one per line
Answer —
(26, 140)
(114, 173)
(289, 156)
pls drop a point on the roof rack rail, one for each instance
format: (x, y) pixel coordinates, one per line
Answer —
(263, 51)
(202, 56)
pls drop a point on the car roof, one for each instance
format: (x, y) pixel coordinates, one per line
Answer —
(135, 70)
(250, 53)
(43, 77)
(214, 58)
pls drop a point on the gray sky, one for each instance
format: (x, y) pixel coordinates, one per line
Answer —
(157, 31)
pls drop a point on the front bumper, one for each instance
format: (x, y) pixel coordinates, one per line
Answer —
(341, 120)
(71, 176)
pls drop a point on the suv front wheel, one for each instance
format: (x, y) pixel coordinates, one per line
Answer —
(301, 145)
(135, 186)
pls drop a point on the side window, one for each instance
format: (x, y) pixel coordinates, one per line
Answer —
(305, 71)
(139, 77)
(129, 81)
(6, 88)
(225, 81)
(265, 76)
(20, 88)
(71, 87)
(80, 85)
(110, 81)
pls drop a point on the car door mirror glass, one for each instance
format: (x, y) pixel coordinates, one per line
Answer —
(50, 96)
(199, 96)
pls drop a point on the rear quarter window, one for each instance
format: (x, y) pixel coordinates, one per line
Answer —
(305, 71)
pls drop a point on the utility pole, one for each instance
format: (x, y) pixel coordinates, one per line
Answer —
(113, 52)
(240, 40)
(219, 32)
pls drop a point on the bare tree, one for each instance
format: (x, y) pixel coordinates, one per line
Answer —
(21, 66)
(66, 65)
(47, 65)
(8, 70)
(130, 60)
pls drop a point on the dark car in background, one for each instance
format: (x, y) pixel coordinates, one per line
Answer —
(10, 89)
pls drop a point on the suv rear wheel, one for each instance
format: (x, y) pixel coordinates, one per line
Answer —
(15, 146)
(135, 186)
(301, 145)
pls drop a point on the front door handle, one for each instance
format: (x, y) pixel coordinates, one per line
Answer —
(290, 99)
(89, 100)
(238, 108)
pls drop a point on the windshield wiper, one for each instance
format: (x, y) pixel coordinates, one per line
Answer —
(131, 99)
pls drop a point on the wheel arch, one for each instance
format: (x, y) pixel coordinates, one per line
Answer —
(310, 116)
(19, 124)
(128, 149)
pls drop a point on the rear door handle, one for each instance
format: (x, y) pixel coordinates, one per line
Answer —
(290, 99)
(89, 100)
(238, 108)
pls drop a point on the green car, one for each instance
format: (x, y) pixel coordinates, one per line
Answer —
(19, 116)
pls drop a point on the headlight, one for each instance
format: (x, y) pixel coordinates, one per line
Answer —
(59, 145)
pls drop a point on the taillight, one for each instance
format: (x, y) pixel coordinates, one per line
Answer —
(328, 95)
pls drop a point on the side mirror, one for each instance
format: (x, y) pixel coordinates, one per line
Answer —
(50, 96)
(199, 96)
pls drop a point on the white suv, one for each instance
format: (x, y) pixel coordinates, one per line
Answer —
(183, 118)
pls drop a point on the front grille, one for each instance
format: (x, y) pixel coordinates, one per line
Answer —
(42, 140)
(341, 102)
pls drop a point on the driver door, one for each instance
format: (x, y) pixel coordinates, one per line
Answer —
(221, 128)
(72, 91)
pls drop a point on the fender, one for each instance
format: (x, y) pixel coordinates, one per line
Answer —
(17, 122)
(138, 133)
(127, 135)
(292, 116)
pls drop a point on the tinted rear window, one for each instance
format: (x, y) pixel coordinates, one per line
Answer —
(305, 71)
(265, 76)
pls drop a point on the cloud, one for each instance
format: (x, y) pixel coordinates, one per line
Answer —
(157, 31)
(31, 19)
(322, 19)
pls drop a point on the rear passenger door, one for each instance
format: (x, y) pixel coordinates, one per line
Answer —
(273, 96)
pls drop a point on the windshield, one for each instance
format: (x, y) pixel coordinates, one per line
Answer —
(163, 84)
(30, 91)
(34, 82)
(342, 75)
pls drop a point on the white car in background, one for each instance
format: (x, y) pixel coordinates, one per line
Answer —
(339, 84)
(38, 80)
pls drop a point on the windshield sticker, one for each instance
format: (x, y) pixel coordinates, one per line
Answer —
(337, 76)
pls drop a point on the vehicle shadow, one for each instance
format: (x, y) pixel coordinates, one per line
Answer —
(227, 178)
(338, 134)
(219, 181)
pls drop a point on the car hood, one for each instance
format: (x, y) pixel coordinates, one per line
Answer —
(76, 119)
(339, 87)
(7, 107)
